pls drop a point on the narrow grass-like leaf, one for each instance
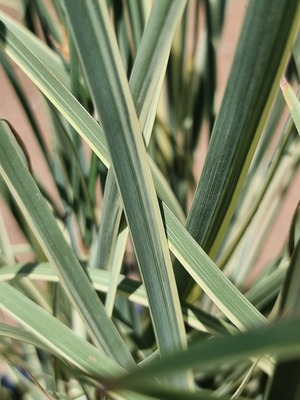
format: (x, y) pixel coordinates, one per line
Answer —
(113, 101)
(72, 275)
(93, 134)
(266, 288)
(21, 334)
(100, 278)
(156, 43)
(204, 271)
(27, 54)
(268, 180)
(199, 265)
(185, 99)
(136, 22)
(55, 336)
(292, 102)
(48, 57)
(261, 56)
(208, 276)
(46, 80)
(109, 224)
(131, 289)
(281, 339)
(116, 268)
(58, 339)
(148, 69)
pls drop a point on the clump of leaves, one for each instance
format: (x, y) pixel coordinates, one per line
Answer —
(134, 291)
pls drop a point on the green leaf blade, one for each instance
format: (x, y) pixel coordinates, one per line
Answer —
(281, 339)
(114, 104)
(208, 276)
(72, 276)
(261, 56)
(63, 343)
